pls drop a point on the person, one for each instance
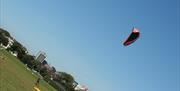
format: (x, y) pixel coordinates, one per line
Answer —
(36, 87)
(37, 82)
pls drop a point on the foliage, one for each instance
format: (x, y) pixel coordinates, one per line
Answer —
(66, 80)
(4, 32)
(17, 47)
(54, 69)
(3, 37)
(3, 40)
(43, 72)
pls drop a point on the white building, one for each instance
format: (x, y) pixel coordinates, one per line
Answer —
(41, 56)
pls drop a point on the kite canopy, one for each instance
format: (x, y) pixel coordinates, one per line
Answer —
(36, 89)
(132, 37)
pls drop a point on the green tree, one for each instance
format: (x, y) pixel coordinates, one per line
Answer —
(43, 72)
(36, 65)
(17, 47)
(3, 40)
(29, 60)
(4, 32)
(66, 80)
(3, 37)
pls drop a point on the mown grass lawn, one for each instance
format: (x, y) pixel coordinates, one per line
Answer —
(15, 77)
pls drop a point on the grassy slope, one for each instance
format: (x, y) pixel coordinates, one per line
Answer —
(15, 77)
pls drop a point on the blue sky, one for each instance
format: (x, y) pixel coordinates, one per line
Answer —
(84, 38)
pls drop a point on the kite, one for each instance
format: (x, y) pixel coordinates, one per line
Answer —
(36, 89)
(132, 37)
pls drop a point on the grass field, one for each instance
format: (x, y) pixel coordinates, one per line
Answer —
(15, 77)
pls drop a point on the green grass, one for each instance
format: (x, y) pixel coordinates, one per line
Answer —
(15, 77)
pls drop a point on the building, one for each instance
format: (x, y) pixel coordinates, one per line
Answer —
(41, 56)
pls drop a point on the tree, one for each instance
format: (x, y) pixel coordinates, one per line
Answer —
(43, 72)
(29, 60)
(54, 69)
(66, 80)
(3, 40)
(17, 47)
(36, 65)
(3, 37)
(4, 32)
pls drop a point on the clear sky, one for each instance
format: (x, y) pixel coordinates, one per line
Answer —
(84, 38)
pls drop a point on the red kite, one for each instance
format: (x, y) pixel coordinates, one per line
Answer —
(132, 37)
